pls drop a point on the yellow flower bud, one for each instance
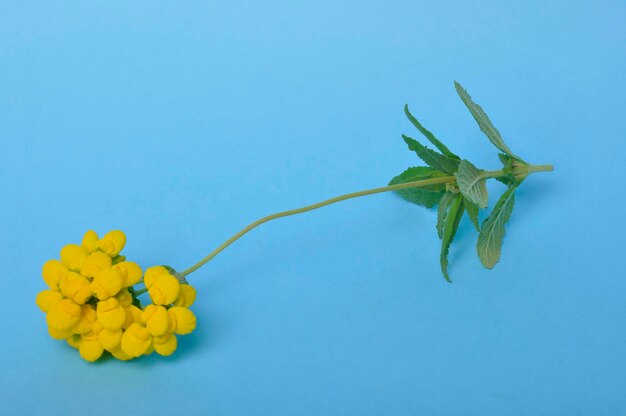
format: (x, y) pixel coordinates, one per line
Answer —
(90, 350)
(156, 319)
(110, 338)
(106, 283)
(63, 315)
(152, 273)
(111, 314)
(73, 256)
(185, 320)
(90, 241)
(60, 333)
(130, 272)
(87, 318)
(47, 299)
(75, 287)
(186, 297)
(52, 272)
(133, 314)
(136, 340)
(165, 344)
(164, 289)
(112, 243)
(94, 263)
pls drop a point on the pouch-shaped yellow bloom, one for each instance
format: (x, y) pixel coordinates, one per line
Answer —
(73, 256)
(94, 263)
(63, 315)
(52, 272)
(90, 241)
(110, 338)
(136, 340)
(133, 314)
(87, 317)
(90, 350)
(130, 272)
(184, 320)
(164, 289)
(186, 297)
(75, 287)
(47, 299)
(156, 319)
(112, 243)
(87, 346)
(165, 344)
(111, 314)
(60, 333)
(106, 283)
(152, 273)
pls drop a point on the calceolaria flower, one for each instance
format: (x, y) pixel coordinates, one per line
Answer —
(91, 301)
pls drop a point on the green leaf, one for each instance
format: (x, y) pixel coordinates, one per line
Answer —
(433, 159)
(418, 173)
(427, 196)
(431, 137)
(450, 225)
(483, 121)
(472, 211)
(472, 183)
(492, 232)
(442, 209)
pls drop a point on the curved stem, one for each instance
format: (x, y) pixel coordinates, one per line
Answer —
(141, 291)
(263, 220)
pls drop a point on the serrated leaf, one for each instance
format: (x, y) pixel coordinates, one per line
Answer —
(491, 234)
(418, 173)
(450, 225)
(483, 121)
(442, 209)
(431, 137)
(427, 196)
(433, 159)
(472, 183)
(472, 211)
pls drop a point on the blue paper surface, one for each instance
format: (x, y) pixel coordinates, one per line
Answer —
(181, 122)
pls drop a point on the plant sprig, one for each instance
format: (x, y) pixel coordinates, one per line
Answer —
(467, 192)
(93, 304)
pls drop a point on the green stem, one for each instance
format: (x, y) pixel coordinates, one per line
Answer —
(141, 291)
(539, 168)
(263, 220)
(416, 184)
(493, 174)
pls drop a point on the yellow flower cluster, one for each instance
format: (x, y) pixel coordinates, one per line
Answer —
(91, 301)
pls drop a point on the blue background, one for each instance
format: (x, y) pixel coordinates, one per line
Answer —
(181, 122)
